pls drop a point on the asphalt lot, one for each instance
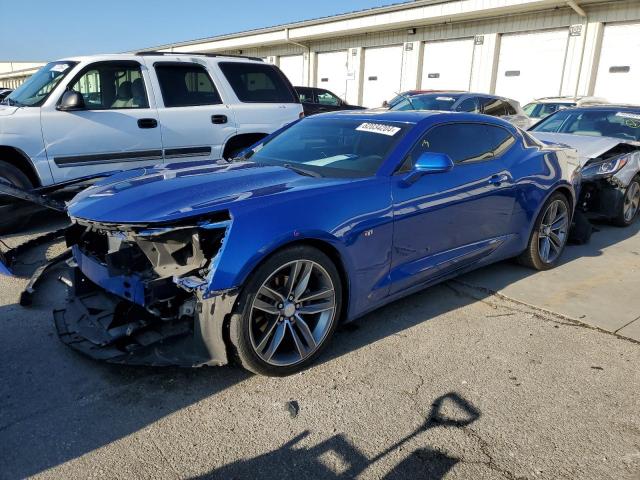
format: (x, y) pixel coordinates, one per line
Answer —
(453, 382)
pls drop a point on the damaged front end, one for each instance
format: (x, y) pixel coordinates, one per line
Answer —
(140, 294)
(605, 179)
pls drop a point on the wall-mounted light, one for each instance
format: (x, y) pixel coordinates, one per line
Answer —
(411, 31)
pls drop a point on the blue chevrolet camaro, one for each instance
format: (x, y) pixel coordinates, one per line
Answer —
(260, 258)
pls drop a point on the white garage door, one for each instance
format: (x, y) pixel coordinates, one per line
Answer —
(382, 74)
(293, 67)
(447, 65)
(618, 77)
(531, 64)
(332, 72)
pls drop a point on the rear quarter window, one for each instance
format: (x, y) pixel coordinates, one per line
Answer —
(258, 83)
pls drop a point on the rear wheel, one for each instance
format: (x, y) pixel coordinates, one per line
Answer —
(287, 312)
(549, 236)
(630, 204)
(13, 176)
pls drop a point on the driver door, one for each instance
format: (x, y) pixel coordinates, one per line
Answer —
(446, 221)
(117, 130)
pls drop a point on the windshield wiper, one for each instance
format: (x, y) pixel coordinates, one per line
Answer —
(302, 171)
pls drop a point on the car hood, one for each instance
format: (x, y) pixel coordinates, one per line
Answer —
(6, 110)
(587, 147)
(171, 192)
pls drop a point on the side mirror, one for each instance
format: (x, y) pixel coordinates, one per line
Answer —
(429, 163)
(71, 101)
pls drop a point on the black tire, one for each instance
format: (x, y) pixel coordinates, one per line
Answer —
(620, 220)
(15, 177)
(241, 322)
(532, 257)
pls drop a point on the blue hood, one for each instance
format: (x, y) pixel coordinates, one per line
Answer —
(169, 192)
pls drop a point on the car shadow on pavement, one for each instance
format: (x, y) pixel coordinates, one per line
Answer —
(56, 405)
(290, 461)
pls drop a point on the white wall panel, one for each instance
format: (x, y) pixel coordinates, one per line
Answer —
(618, 77)
(332, 70)
(293, 67)
(447, 65)
(531, 64)
(382, 74)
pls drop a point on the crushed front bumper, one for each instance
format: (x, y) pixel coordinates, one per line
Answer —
(106, 327)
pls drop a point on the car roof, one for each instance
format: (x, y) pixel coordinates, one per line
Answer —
(159, 55)
(608, 106)
(414, 117)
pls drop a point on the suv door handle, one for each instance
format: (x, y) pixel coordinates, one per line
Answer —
(218, 119)
(147, 123)
(499, 179)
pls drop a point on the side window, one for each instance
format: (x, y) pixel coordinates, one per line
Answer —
(327, 98)
(463, 142)
(112, 85)
(306, 95)
(186, 85)
(492, 106)
(501, 139)
(469, 105)
(257, 83)
(509, 109)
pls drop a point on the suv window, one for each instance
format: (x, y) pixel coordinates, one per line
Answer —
(469, 105)
(112, 85)
(257, 83)
(463, 142)
(493, 106)
(186, 85)
(325, 97)
(509, 109)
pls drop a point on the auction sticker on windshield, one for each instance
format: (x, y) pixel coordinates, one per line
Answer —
(378, 128)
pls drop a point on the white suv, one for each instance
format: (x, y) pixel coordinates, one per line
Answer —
(88, 115)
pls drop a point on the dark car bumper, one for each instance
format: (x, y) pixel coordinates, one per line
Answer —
(601, 198)
(106, 327)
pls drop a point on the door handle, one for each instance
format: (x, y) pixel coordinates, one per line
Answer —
(499, 179)
(147, 123)
(218, 119)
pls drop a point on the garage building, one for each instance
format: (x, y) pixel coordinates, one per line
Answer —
(522, 49)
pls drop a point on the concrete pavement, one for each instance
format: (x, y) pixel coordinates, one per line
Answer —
(453, 382)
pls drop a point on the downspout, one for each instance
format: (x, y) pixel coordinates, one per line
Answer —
(580, 11)
(308, 48)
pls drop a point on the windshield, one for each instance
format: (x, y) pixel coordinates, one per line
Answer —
(594, 123)
(426, 102)
(37, 88)
(541, 110)
(332, 147)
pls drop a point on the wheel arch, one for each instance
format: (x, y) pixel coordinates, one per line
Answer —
(325, 247)
(17, 158)
(241, 140)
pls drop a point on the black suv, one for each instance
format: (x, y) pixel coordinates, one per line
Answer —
(318, 100)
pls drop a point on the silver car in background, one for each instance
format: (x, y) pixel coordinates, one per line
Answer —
(607, 138)
(496, 106)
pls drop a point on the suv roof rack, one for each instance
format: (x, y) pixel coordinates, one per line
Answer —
(154, 52)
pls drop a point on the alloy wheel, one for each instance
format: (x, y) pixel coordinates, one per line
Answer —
(292, 313)
(553, 231)
(631, 201)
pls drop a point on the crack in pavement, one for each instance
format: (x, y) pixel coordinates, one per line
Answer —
(533, 310)
(486, 451)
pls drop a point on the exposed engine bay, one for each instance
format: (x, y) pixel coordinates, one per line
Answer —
(140, 292)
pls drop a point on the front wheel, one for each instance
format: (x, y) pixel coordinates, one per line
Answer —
(287, 312)
(549, 236)
(630, 204)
